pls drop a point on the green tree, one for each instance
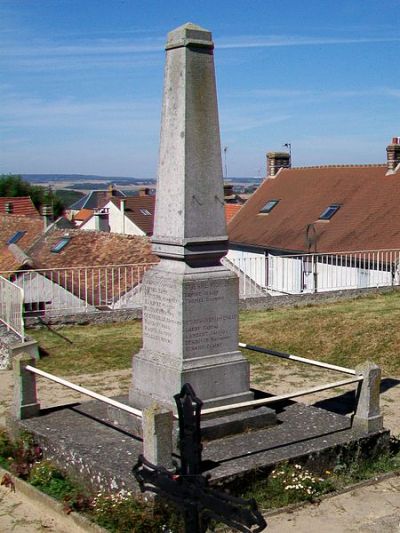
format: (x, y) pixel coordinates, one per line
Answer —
(13, 185)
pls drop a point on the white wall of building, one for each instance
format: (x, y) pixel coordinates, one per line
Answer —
(120, 223)
(299, 274)
(37, 288)
(251, 263)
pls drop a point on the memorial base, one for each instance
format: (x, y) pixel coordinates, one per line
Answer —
(190, 325)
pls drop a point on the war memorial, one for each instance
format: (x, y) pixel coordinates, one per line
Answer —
(190, 331)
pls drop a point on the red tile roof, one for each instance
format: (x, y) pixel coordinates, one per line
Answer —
(21, 206)
(369, 216)
(91, 248)
(231, 210)
(83, 214)
(9, 225)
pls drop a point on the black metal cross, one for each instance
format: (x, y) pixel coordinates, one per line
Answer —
(187, 488)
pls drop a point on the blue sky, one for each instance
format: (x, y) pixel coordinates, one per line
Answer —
(81, 81)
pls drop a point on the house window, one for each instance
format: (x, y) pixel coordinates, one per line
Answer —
(145, 212)
(62, 243)
(268, 207)
(16, 237)
(328, 213)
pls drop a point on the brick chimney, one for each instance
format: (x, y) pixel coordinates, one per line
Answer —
(47, 214)
(393, 155)
(275, 161)
(111, 191)
(8, 208)
(144, 191)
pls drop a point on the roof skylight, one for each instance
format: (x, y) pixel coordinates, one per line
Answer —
(268, 207)
(145, 211)
(16, 237)
(328, 213)
(60, 245)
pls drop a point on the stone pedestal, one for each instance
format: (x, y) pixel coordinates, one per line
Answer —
(190, 335)
(190, 301)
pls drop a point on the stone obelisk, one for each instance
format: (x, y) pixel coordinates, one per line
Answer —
(190, 308)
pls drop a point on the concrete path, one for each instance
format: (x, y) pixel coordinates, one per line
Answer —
(21, 514)
(374, 508)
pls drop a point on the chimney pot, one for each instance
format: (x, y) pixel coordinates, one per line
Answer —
(47, 214)
(393, 155)
(144, 191)
(276, 161)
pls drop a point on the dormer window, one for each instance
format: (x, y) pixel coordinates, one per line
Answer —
(268, 207)
(16, 237)
(328, 213)
(60, 245)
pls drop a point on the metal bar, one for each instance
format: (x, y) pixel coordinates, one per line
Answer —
(88, 392)
(292, 357)
(281, 397)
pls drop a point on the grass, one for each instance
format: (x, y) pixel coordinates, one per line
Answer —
(88, 349)
(344, 333)
(289, 483)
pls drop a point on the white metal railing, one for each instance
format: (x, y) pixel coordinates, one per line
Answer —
(87, 392)
(79, 289)
(281, 397)
(11, 307)
(288, 396)
(230, 407)
(249, 271)
(320, 272)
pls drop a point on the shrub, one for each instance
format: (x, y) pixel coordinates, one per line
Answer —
(6, 449)
(25, 453)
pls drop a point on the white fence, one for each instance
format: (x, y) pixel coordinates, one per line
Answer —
(80, 289)
(11, 307)
(318, 272)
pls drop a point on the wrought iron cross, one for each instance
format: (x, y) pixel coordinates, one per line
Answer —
(187, 488)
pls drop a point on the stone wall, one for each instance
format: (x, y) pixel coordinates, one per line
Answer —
(97, 317)
(299, 300)
(250, 304)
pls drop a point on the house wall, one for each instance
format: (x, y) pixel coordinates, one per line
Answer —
(253, 264)
(121, 224)
(38, 288)
(300, 274)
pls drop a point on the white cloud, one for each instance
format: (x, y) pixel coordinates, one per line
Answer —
(263, 41)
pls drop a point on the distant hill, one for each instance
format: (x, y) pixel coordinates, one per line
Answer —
(76, 178)
(44, 178)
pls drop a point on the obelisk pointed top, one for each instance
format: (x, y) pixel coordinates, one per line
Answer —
(189, 34)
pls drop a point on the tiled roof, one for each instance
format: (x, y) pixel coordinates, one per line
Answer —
(21, 206)
(83, 214)
(91, 248)
(9, 226)
(95, 199)
(369, 216)
(231, 210)
(136, 209)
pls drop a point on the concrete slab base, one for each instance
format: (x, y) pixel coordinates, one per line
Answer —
(101, 452)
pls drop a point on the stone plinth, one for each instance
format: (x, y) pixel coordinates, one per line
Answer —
(190, 301)
(190, 335)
